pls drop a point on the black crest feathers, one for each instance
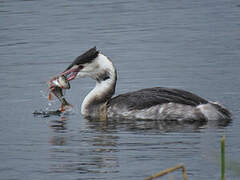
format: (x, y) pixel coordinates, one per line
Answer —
(86, 57)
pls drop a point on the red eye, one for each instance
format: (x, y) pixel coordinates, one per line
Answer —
(80, 67)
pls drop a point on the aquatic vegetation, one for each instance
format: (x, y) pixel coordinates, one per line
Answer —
(169, 170)
(232, 165)
(223, 158)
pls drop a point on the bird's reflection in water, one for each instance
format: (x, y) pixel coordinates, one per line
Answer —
(145, 125)
(156, 126)
(96, 149)
(58, 126)
(82, 151)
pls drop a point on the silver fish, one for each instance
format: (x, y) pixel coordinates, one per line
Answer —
(56, 85)
(61, 81)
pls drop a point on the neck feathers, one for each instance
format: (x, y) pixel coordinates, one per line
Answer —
(106, 78)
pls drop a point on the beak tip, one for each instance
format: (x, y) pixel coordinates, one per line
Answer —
(71, 73)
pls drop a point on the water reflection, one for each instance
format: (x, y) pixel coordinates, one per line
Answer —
(96, 149)
(82, 152)
(57, 141)
(153, 125)
(59, 125)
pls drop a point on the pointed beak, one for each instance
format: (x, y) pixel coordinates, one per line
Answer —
(72, 73)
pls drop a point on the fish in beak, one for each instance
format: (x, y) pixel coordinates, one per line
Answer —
(56, 86)
(72, 72)
(57, 91)
(60, 82)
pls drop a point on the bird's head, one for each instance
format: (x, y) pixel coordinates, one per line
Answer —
(90, 64)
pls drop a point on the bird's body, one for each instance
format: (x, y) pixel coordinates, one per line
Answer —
(152, 103)
(164, 104)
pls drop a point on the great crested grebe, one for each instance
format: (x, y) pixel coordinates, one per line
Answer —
(157, 103)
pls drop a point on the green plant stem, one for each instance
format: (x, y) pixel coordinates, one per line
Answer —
(223, 157)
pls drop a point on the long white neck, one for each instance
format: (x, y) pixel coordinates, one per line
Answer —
(106, 78)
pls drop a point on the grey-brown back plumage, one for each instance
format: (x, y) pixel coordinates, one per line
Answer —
(146, 98)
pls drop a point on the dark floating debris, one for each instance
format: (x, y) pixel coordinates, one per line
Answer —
(47, 113)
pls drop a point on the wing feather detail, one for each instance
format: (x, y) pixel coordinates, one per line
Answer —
(146, 98)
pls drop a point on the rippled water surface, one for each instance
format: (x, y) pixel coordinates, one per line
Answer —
(192, 45)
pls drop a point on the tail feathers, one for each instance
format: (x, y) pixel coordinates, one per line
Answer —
(224, 112)
(215, 111)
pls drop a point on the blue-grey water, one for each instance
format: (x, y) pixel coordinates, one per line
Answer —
(191, 45)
